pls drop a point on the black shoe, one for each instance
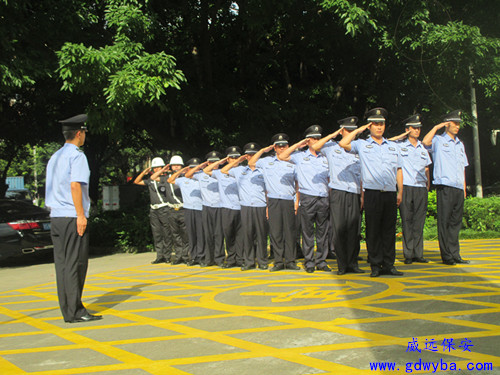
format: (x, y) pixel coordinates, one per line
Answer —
(277, 268)
(178, 261)
(86, 318)
(203, 264)
(324, 268)
(309, 269)
(229, 265)
(462, 261)
(392, 272)
(408, 261)
(449, 262)
(263, 267)
(192, 262)
(420, 260)
(355, 270)
(246, 268)
(359, 258)
(341, 272)
(375, 272)
(159, 260)
(292, 266)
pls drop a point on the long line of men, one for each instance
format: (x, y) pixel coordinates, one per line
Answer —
(318, 185)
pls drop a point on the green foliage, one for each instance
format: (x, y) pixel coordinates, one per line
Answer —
(432, 204)
(482, 214)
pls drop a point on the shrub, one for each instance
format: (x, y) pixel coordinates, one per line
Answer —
(482, 214)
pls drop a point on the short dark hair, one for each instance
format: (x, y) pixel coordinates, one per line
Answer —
(69, 135)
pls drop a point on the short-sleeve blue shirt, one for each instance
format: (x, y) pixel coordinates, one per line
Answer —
(251, 186)
(209, 188)
(191, 193)
(344, 168)
(450, 161)
(68, 164)
(379, 163)
(279, 177)
(312, 173)
(415, 161)
(228, 190)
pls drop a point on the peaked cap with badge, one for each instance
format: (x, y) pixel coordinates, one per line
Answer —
(193, 162)
(74, 123)
(280, 139)
(313, 131)
(213, 156)
(455, 116)
(233, 152)
(413, 121)
(349, 123)
(251, 148)
(376, 115)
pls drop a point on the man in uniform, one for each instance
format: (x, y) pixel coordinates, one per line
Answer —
(345, 197)
(158, 213)
(279, 177)
(67, 195)
(416, 182)
(450, 160)
(382, 180)
(312, 178)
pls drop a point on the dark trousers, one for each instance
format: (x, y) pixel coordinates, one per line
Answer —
(314, 213)
(194, 229)
(71, 258)
(179, 234)
(214, 237)
(231, 226)
(162, 235)
(345, 218)
(413, 209)
(282, 230)
(380, 216)
(254, 230)
(450, 210)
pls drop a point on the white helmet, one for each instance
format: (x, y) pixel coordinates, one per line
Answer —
(176, 160)
(157, 162)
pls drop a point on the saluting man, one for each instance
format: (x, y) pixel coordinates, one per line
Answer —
(450, 160)
(312, 178)
(67, 195)
(382, 180)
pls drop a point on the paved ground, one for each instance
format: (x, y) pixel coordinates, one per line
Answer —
(162, 319)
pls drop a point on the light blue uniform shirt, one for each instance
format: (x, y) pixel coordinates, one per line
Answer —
(449, 161)
(191, 193)
(415, 160)
(279, 177)
(251, 186)
(69, 164)
(228, 190)
(312, 173)
(209, 188)
(345, 168)
(379, 163)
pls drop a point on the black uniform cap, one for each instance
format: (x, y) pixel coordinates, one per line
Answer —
(193, 162)
(74, 123)
(413, 121)
(349, 123)
(213, 156)
(280, 139)
(313, 131)
(455, 116)
(233, 152)
(376, 115)
(251, 148)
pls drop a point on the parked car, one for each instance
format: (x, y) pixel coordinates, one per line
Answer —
(24, 228)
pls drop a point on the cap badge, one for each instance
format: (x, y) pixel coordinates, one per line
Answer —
(280, 137)
(378, 111)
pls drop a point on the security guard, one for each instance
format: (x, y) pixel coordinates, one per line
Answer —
(158, 213)
(450, 160)
(382, 180)
(312, 178)
(279, 177)
(416, 183)
(211, 212)
(67, 195)
(345, 197)
(252, 192)
(231, 208)
(191, 197)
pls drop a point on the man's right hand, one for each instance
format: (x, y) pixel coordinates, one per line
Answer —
(81, 225)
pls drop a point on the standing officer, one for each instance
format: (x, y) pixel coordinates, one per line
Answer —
(211, 212)
(381, 176)
(416, 182)
(158, 213)
(450, 161)
(252, 192)
(312, 178)
(345, 197)
(279, 177)
(67, 195)
(191, 197)
(231, 208)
